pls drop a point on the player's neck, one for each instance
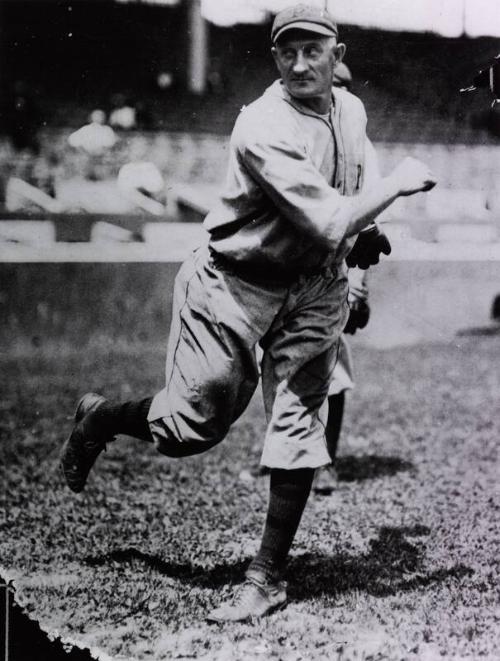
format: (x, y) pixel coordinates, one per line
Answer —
(319, 104)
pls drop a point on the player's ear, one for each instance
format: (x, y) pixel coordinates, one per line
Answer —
(274, 52)
(340, 50)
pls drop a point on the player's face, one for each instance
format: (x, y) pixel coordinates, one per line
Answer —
(306, 63)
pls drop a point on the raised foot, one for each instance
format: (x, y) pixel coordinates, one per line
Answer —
(87, 440)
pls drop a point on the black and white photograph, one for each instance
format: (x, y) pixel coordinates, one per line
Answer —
(249, 330)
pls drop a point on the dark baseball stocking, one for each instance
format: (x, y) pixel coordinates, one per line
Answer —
(289, 490)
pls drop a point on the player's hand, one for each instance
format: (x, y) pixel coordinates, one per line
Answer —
(412, 176)
(359, 315)
(370, 244)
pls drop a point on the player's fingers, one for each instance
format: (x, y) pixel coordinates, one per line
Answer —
(429, 185)
(385, 246)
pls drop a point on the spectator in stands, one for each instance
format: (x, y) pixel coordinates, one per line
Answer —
(142, 184)
(32, 184)
(95, 137)
(216, 78)
(123, 114)
(164, 81)
(94, 140)
(490, 78)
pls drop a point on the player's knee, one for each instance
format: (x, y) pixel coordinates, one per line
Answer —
(168, 444)
(186, 448)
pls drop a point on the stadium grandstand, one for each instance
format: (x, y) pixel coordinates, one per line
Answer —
(76, 55)
(184, 68)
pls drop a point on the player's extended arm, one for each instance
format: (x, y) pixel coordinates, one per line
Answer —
(409, 177)
(286, 173)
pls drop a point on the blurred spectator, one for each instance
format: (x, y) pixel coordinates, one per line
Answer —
(24, 119)
(95, 137)
(123, 114)
(142, 183)
(164, 80)
(94, 140)
(490, 78)
(216, 78)
(32, 185)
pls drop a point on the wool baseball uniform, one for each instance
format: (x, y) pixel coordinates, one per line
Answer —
(265, 277)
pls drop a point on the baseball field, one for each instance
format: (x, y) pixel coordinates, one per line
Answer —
(400, 562)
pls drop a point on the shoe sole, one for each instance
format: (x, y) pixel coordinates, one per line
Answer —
(251, 618)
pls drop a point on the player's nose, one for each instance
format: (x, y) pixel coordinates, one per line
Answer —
(300, 64)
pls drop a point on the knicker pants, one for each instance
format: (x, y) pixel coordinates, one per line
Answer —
(211, 372)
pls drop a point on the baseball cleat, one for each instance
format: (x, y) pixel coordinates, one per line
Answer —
(86, 442)
(254, 598)
(325, 480)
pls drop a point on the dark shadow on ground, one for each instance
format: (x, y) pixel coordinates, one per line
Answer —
(368, 467)
(393, 564)
(356, 469)
(213, 577)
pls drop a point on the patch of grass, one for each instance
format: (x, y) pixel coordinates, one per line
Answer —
(401, 562)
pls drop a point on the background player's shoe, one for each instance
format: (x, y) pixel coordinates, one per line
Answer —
(255, 598)
(86, 442)
(325, 480)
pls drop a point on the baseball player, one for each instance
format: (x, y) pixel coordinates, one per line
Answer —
(272, 272)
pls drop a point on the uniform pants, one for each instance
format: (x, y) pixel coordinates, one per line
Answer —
(218, 319)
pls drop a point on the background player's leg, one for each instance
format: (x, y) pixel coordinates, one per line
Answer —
(326, 478)
(334, 423)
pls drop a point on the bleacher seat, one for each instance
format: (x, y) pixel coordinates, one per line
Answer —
(40, 232)
(108, 232)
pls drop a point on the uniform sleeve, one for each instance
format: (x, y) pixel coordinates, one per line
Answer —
(278, 161)
(372, 169)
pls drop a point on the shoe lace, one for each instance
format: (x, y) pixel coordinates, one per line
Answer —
(245, 594)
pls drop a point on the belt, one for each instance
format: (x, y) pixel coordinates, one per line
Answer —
(259, 274)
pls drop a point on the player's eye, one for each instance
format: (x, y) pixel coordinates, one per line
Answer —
(312, 52)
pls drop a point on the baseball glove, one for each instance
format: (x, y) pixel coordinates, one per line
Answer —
(369, 245)
(359, 314)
